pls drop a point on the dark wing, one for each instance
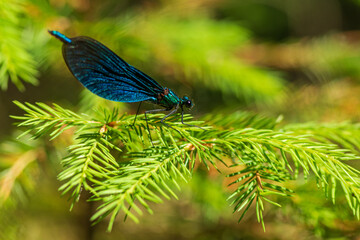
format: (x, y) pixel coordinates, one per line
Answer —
(107, 75)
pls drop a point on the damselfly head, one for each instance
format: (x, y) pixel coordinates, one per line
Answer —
(185, 101)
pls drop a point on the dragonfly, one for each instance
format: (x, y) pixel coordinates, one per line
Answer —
(107, 75)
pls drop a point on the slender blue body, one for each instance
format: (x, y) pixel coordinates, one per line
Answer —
(60, 36)
(107, 75)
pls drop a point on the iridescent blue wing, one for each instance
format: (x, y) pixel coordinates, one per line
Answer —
(107, 75)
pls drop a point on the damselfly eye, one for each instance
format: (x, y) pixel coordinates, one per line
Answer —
(188, 104)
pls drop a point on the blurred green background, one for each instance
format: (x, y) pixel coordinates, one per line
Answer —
(298, 59)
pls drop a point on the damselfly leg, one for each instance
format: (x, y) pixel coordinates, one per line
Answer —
(137, 112)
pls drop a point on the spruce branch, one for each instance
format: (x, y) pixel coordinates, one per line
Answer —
(324, 160)
(88, 163)
(264, 158)
(256, 182)
(345, 134)
(146, 178)
(41, 119)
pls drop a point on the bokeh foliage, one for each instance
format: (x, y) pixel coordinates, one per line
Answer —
(228, 56)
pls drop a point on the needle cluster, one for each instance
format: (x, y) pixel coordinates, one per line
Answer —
(112, 158)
